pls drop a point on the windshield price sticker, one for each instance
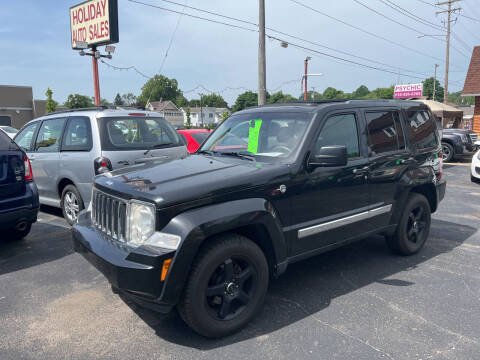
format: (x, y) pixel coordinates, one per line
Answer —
(253, 135)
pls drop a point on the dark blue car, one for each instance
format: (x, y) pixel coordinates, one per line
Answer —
(19, 202)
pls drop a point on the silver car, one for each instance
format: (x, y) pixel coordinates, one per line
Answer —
(67, 149)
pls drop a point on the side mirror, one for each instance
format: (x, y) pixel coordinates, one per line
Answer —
(333, 155)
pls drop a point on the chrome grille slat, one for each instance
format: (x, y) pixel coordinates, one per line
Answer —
(109, 215)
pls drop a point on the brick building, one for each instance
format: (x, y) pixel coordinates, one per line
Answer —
(472, 87)
(17, 105)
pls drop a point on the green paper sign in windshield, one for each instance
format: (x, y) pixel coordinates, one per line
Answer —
(253, 135)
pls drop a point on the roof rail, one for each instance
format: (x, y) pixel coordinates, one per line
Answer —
(93, 108)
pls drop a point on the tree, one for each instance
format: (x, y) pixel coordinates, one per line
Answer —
(51, 104)
(181, 101)
(332, 93)
(160, 87)
(361, 92)
(381, 93)
(189, 120)
(214, 100)
(129, 99)
(194, 103)
(225, 115)
(280, 97)
(458, 99)
(247, 99)
(118, 101)
(428, 89)
(105, 102)
(75, 101)
(140, 103)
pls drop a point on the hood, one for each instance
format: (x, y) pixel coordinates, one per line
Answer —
(194, 177)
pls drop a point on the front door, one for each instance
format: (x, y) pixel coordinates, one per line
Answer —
(46, 157)
(331, 204)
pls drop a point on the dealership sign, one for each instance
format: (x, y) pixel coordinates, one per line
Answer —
(408, 91)
(94, 22)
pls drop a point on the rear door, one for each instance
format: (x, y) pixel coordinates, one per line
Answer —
(12, 168)
(46, 156)
(127, 140)
(388, 158)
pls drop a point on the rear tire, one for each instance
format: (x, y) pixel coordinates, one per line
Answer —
(474, 179)
(19, 234)
(413, 228)
(71, 203)
(447, 152)
(226, 287)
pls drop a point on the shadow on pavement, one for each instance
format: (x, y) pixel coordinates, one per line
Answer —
(46, 242)
(310, 286)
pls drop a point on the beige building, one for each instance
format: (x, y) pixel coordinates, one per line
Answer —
(169, 111)
(17, 105)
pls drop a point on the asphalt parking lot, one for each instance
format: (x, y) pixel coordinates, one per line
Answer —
(358, 302)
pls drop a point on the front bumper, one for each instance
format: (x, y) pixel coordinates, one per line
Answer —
(134, 272)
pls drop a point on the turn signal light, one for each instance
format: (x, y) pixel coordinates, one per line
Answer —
(165, 267)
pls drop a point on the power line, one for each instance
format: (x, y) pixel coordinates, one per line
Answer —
(366, 31)
(439, 7)
(411, 15)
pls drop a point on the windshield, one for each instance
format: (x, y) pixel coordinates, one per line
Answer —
(9, 129)
(267, 135)
(138, 133)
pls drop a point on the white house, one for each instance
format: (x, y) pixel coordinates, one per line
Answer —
(204, 115)
(169, 111)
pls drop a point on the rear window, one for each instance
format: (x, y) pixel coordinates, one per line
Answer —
(6, 143)
(422, 129)
(137, 133)
(200, 137)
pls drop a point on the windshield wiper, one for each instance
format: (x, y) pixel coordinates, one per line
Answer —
(238, 154)
(157, 146)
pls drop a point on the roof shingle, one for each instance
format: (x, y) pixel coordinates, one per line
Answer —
(472, 82)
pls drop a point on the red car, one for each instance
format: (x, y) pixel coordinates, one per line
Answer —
(194, 137)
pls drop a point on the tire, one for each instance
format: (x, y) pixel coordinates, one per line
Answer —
(234, 299)
(474, 179)
(447, 152)
(19, 233)
(413, 228)
(71, 203)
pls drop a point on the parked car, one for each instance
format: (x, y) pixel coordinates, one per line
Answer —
(18, 194)
(458, 142)
(205, 233)
(475, 168)
(194, 138)
(10, 131)
(69, 148)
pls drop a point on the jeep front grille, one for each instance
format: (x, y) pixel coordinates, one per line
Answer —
(473, 137)
(109, 215)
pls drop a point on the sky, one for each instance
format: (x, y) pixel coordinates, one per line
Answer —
(35, 46)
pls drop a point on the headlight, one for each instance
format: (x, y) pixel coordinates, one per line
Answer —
(141, 222)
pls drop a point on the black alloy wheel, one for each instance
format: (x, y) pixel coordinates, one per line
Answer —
(230, 288)
(226, 287)
(416, 225)
(447, 152)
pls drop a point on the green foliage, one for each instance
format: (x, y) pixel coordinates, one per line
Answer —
(76, 101)
(181, 101)
(160, 87)
(214, 100)
(280, 97)
(361, 92)
(428, 89)
(105, 102)
(194, 103)
(118, 101)
(247, 99)
(332, 93)
(129, 99)
(51, 104)
(381, 93)
(458, 99)
(189, 120)
(140, 103)
(225, 115)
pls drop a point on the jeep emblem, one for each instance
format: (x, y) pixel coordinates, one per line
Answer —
(282, 189)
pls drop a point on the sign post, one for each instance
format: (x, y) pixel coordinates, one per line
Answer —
(94, 23)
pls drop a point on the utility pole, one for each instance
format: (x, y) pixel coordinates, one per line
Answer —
(435, 81)
(306, 77)
(262, 67)
(96, 80)
(447, 58)
(201, 109)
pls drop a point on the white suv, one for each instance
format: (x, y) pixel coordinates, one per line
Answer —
(68, 148)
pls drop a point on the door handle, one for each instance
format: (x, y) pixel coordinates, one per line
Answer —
(360, 171)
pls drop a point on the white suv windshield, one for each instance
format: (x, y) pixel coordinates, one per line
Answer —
(269, 135)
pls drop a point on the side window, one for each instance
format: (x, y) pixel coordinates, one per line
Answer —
(78, 136)
(340, 130)
(422, 129)
(48, 138)
(399, 130)
(382, 132)
(25, 136)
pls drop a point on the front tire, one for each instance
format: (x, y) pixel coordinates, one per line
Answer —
(413, 228)
(474, 179)
(71, 204)
(447, 152)
(226, 287)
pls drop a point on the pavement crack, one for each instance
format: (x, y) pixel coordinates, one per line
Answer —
(344, 333)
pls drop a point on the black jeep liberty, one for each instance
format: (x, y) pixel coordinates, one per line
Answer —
(272, 185)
